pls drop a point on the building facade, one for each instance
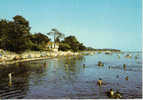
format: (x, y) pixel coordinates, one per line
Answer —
(52, 46)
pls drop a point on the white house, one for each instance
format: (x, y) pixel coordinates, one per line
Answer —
(52, 46)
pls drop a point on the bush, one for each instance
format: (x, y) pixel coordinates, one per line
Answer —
(64, 47)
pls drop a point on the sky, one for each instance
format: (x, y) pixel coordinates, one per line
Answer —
(96, 23)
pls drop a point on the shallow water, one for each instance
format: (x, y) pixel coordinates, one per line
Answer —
(65, 77)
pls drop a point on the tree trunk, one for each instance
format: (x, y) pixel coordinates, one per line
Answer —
(54, 40)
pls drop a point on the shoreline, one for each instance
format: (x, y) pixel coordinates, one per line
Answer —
(11, 58)
(23, 60)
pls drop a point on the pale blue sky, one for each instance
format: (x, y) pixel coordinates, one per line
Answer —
(97, 23)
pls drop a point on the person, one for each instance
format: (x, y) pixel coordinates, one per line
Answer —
(110, 93)
(99, 82)
(117, 95)
(10, 79)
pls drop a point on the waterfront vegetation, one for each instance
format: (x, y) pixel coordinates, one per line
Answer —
(18, 43)
(15, 36)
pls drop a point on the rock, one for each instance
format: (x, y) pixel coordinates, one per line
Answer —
(29, 56)
(124, 66)
(16, 58)
(117, 95)
(136, 57)
(109, 67)
(117, 76)
(100, 63)
(128, 56)
(1, 59)
(126, 77)
(83, 65)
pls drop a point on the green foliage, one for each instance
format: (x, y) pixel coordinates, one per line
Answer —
(15, 33)
(64, 47)
(90, 49)
(71, 43)
(82, 47)
(3, 33)
(39, 40)
(15, 36)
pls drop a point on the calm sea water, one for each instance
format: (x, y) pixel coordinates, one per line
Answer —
(65, 77)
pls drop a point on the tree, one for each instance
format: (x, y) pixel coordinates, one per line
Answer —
(64, 47)
(18, 34)
(56, 34)
(3, 33)
(82, 47)
(14, 34)
(39, 40)
(71, 43)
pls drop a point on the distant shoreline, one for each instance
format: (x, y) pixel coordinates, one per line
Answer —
(112, 50)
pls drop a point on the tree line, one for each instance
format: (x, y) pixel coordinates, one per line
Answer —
(15, 36)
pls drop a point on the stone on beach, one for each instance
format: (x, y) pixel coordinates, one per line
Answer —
(126, 77)
(17, 58)
(124, 66)
(128, 56)
(117, 76)
(100, 64)
(117, 95)
(136, 57)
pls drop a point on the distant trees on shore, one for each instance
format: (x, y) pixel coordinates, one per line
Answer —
(15, 36)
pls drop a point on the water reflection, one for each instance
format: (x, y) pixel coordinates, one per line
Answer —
(19, 81)
(20, 73)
